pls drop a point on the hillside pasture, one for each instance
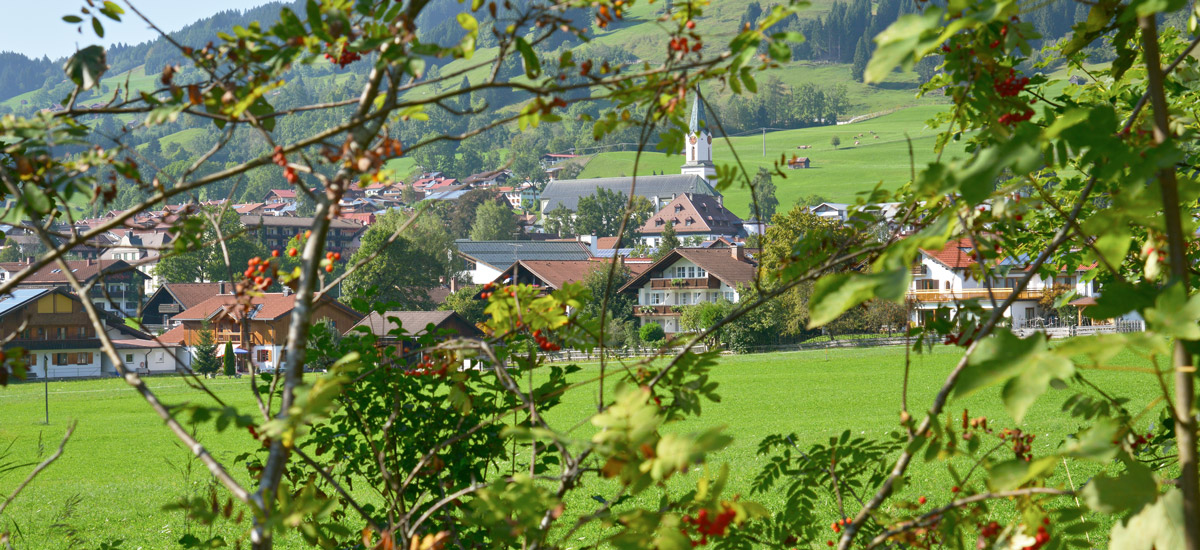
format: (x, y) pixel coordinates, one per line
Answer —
(838, 174)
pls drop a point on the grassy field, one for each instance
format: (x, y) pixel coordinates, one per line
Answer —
(838, 174)
(122, 465)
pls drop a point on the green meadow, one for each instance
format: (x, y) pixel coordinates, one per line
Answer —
(122, 466)
(838, 174)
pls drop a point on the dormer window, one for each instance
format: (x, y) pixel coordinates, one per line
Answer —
(678, 207)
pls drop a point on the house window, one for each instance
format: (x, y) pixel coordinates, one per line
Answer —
(700, 273)
(61, 332)
(729, 296)
(33, 359)
(83, 332)
(685, 299)
(83, 358)
(41, 333)
(61, 359)
(656, 298)
(128, 357)
(263, 356)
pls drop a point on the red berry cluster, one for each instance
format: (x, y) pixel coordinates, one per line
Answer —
(288, 173)
(1139, 440)
(344, 58)
(707, 525)
(428, 368)
(1022, 442)
(989, 531)
(837, 525)
(958, 340)
(261, 273)
(1009, 119)
(544, 343)
(332, 257)
(680, 44)
(1012, 85)
(1042, 537)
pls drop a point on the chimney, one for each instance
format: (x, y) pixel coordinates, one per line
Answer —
(220, 287)
(453, 285)
(738, 253)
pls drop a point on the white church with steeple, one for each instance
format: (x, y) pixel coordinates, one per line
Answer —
(698, 147)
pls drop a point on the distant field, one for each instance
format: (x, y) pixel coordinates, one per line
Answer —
(836, 174)
(123, 465)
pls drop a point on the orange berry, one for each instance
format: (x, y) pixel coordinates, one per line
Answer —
(337, 256)
(258, 280)
(292, 252)
(274, 253)
(329, 268)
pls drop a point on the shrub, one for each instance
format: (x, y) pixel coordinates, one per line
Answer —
(651, 332)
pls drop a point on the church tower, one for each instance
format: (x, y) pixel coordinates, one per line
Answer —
(698, 146)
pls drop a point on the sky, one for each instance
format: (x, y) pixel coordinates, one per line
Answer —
(35, 27)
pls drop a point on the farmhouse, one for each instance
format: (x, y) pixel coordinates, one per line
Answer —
(172, 298)
(484, 260)
(798, 162)
(686, 277)
(276, 231)
(944, 278)
(52, 326)
(697, 216)
(416, 323)
(259, 326)
(554, 274)
(280, 196)
(119, 288)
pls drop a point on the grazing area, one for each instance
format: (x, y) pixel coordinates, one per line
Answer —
(838, 174)
(121, 464)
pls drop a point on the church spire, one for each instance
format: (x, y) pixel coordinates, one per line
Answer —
(698, 120)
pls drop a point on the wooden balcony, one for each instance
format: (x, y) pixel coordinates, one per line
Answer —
(655, 311)
(700, 282)
(938, 295)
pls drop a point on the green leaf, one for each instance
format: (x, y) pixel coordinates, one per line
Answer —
(72, 19)
(36, 199)
(1158, 526)
(1114, 245)
(86, 66)
(261, 108)
(1120, 298)
(533, 67)
(834, 294)
(1174, 314)
(1014, 473)
(98, 27)
(905, 41)
(1129, 492)
(1096, 443)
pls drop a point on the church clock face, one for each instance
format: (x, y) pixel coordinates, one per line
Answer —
(693, 139)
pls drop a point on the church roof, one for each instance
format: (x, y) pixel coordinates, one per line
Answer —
(697, 120)
(568, 192)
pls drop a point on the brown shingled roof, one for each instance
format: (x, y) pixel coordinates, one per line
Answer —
(414, 322)
(84, 270)
(718, 262)
(190, 294)
(693, 213)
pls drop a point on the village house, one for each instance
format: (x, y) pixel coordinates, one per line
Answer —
(173, 298)
(700, 217)
(416, 323)
(119, 287)
(275, 232)
(686, 277)
(280, 196)
(259, 330)
(50, 324)
(484, 260)
(554, 274)
(945, 277)
(798, 163)
(141, 249)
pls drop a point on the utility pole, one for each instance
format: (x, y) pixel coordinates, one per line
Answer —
(764, 142)
(46, 384)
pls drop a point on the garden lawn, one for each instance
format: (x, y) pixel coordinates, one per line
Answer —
(123, 465)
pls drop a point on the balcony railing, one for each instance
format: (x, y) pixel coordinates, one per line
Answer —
(655, 310)
(938, 295)
(704, 282)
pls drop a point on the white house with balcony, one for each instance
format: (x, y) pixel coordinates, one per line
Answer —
(947, 277)
(687, 277)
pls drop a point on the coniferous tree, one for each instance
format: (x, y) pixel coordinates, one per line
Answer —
(206, 352)
(229, 360)
(862, 52)
(668, 243)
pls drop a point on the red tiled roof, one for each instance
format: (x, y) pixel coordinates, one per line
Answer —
(269, 306)
(957, 254)
(173, 336)
(82, 269)
(284, 193)
(718, 262)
